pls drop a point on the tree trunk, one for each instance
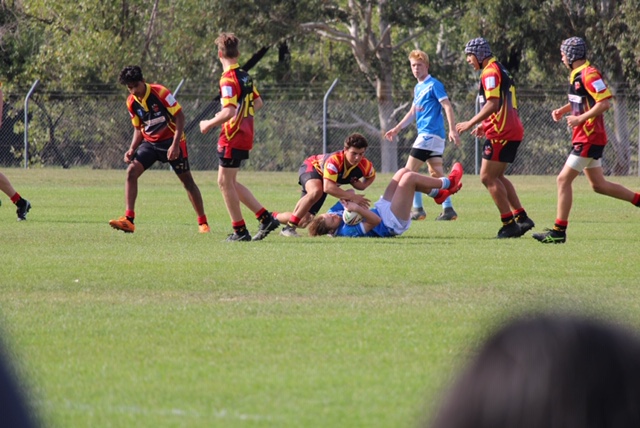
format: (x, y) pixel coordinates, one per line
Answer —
(621, 141)
(384, 93)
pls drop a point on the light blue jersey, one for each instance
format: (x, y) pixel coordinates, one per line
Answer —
(427, 96)
(357, 231)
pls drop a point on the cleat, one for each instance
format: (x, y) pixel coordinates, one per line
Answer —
(418, 214)
(289, 232)
(265, 229)
(23, 210)
(525, 225)
(233, 237)
(204, 228)
(511, 230)
(551, 236)
(455, 176)
(123, 224)
(447, 215)
(443, 194)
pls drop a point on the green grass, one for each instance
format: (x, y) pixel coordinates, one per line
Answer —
(166, 327)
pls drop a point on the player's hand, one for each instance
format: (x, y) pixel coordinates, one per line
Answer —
(204, 126)
(360, 200)
(391, 133)
(573, 121)
(128, 156)
(478, 131)
(454, 137)
(173, 153)
(557, 114)
(463, 127)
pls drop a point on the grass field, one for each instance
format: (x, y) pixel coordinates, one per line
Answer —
(166, 327)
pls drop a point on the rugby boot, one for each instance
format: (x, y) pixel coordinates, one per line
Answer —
(418, 214)
(447, 215)
(511, 230)
(551, 236)
(123, 224)
(23, 210)
(266, 228)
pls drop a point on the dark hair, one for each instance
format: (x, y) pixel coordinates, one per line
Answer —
(228, 45)
(130, 74)
(15, 409)
(356, 140)
(549, 371)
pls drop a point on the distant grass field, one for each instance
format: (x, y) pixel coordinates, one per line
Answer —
(166, 327)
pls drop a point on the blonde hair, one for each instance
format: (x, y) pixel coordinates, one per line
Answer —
(318, 226)
(417, 54)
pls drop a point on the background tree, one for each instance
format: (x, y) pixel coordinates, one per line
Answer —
(368, 27)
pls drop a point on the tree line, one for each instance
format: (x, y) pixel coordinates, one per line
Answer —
(80, 46)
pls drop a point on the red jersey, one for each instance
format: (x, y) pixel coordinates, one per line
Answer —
(495, 82)
(237, 89)
(333, 166)
(586, 88)
(154, 113)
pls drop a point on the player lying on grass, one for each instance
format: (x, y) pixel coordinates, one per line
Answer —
(391, 215)
(323, 174)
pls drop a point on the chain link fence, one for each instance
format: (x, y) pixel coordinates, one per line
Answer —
(93, 130)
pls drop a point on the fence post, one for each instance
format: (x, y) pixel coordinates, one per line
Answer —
(26, 123)
(324, 117)
(178, 87)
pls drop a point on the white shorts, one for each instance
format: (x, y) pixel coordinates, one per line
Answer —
(431, 142)
(389, 219)
(579, 163)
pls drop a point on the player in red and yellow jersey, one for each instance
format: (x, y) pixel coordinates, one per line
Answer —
(158, 135)
(501, 126)
(22, 205)
(240, 100)
(588, 99)
(323, 174)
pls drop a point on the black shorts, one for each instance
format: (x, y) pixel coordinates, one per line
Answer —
(148, 153)
(500, 150)
(424, 155)
(587, 150)
(231, 158)
(305, 176)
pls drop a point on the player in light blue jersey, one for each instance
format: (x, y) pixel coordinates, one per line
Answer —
(429, 100)
(391, 215)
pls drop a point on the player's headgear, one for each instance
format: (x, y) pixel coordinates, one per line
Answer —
(478, 47)
(574, 49)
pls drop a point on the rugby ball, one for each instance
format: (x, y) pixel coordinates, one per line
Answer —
(351, 217)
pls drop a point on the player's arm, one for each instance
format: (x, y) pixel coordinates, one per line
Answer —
(257, 103)
(559, 112)
(406, 120)
(362, 184)
(369, 218)
(226, 113)
(491, 106)
(136, 140)
(174, 150)
(331, 188)
(454, 136)
(598, 109)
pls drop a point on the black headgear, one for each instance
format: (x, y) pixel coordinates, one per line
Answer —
(574, 49)
(478, 47)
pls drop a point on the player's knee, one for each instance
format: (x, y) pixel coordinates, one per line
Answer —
(600, 188)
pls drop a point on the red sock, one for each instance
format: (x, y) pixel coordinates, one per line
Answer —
(294, 220)
(202, 219)
(636, 200)
(506, 218)
(15, 198)
(129, 214)
(260, 212)
(561, 225)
